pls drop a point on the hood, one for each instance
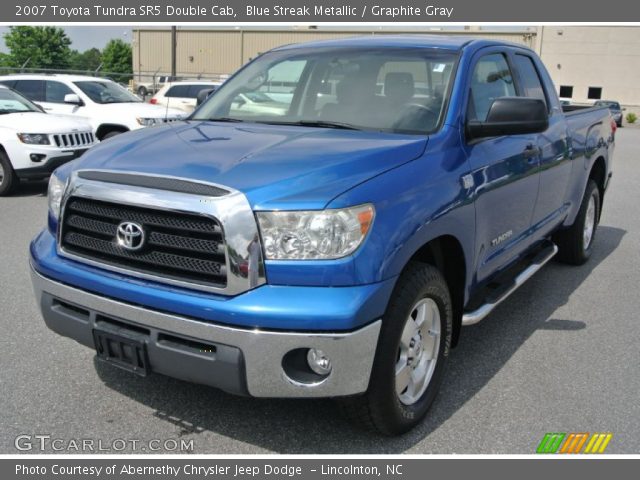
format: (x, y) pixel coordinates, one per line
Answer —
(141, 109)
(36, 122)
(277, 167)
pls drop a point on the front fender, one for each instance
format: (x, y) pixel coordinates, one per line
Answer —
(415, 203)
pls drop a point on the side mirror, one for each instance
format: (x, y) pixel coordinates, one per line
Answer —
(203, 95)
(511, 116)
(73, 99)
(238, 102)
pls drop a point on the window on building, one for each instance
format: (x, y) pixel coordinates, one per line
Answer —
(566, 91)
(595, 93)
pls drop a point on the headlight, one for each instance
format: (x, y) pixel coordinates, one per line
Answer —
(56, 190)
(314, 235)
(34, 138)
(148, 122)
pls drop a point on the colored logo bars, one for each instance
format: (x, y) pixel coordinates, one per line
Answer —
(574, 443)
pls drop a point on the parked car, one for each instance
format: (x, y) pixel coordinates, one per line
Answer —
(256, 104)
(33, 143)
(109, 108)
(615, 109)
(149, 88)
(331, 251)
(182, 95)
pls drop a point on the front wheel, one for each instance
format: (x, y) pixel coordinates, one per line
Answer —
(411, 357)
(8, 178)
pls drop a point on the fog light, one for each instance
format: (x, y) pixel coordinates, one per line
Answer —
(319, 362)
(37, 157)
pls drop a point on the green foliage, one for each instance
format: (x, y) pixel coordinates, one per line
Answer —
(43, 47)
(88, 60)
(631, 117)
(117, 58)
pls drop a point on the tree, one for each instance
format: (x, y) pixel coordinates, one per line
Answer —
(87, 60)
(44, 47)
(117, 58)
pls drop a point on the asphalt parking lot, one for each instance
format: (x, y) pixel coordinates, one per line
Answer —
(561, 355)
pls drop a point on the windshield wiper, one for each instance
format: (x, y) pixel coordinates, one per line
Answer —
(318, 123)
(222, 119)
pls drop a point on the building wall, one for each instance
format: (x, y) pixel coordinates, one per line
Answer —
(212, 52)
(583, 57)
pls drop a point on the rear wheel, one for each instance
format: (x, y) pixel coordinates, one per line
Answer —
(8, 178)
(411, 356)
(575, 244)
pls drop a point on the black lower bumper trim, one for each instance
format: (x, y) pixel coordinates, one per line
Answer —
(158, 351)
(46, 169)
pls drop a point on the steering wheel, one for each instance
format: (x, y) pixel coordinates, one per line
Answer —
(415, 114)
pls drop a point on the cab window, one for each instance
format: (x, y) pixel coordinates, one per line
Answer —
(491, 79)
(529, 78)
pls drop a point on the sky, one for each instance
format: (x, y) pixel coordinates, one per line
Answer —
(84, 38)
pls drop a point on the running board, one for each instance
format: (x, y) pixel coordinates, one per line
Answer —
(470, 318)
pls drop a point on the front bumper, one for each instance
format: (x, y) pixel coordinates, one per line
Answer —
(245, 361)
(45, 169)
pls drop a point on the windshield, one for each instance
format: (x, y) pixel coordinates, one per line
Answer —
(392, 90)
(101, 91)
(12, 102)
(611, 105)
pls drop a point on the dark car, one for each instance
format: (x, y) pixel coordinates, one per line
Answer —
(615, 109)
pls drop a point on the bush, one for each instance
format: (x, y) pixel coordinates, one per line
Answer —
(631, 117)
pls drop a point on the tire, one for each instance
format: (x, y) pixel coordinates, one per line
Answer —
(8, 178)
(575, 244)
(111, 134)
(143, 92)
(384, 408)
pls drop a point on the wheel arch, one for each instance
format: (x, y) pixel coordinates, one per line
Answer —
(598, 174)
(106, 128)
(447, 255)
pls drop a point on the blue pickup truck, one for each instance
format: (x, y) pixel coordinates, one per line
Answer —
(325, 223)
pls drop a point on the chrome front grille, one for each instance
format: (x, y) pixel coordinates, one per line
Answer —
(196, 235)
(184, 247)
(74, 140)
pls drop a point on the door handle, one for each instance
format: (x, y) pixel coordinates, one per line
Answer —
(531, 152)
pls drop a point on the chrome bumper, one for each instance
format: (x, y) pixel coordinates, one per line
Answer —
(351, 353)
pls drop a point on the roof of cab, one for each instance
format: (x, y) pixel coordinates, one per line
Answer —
(453, 43)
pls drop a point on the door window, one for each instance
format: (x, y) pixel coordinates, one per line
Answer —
(491, 79)
(178, 91)
(55, 92)
(32, 89)
(529, 78)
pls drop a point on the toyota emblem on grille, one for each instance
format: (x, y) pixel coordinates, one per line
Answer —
(130, 236)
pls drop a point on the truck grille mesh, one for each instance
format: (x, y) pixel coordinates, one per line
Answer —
(179, 246)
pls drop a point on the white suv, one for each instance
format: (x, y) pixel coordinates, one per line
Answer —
(182, 95)
(33, 143)
(110, 108)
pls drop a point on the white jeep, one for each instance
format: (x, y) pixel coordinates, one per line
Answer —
(110, 108)
(33, 143)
